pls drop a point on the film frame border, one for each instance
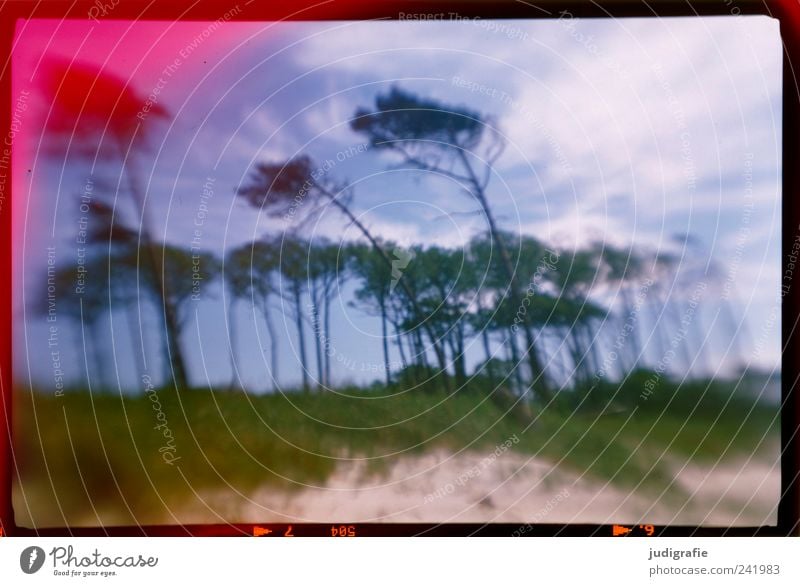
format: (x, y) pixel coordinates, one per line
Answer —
(787, 12)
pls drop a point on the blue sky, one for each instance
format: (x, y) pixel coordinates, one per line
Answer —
(625, 130)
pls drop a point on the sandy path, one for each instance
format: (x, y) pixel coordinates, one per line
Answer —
(512, 488)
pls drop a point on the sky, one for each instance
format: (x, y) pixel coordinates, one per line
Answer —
(631, 131)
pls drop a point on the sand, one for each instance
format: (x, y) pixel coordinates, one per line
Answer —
(439, 487)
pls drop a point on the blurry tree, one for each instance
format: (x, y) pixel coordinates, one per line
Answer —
(100, 119)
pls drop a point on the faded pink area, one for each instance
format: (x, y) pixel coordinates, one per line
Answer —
(138, 52)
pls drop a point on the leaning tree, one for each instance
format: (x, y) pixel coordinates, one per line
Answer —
(457, 143)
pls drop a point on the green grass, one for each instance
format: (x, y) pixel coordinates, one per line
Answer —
(102, 450)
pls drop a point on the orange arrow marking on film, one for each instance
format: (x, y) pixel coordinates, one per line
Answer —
(259, 531)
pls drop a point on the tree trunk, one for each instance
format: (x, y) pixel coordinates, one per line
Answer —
(273, 343)
(327, 355)
(301, 337)
(231, 337)
(420, 351)
(441, 359)
(577, 359)
(487, 349)
(683, 346)
(137, 342)
(400, 348)
(458, 358)
(316, 328)
(635, 343)
(385, 333)
(514, 375)
(81, 359)
(592, 359)
(660, 339)
(487, 346)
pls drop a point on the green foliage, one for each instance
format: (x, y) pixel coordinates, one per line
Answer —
(402, 116)
(273, 187)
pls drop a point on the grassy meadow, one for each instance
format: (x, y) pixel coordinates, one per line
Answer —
(82, 457)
